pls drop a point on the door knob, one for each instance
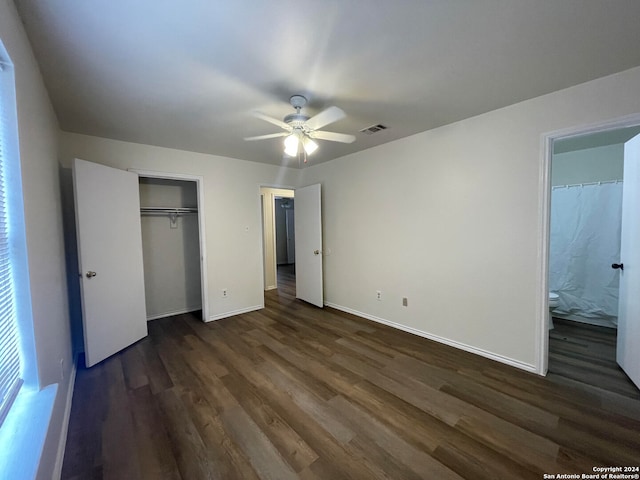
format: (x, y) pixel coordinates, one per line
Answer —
(91, 274)
(617, 266)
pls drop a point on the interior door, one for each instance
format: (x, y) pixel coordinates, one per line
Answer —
(107, 206)
(628, 353)
(308, 233)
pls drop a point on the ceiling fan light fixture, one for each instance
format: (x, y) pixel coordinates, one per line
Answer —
(291, 144)
(309, 145)
(301, 131)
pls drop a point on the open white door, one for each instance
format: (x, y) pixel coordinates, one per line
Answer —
(628, 351)
(107, 205)
(308, 240)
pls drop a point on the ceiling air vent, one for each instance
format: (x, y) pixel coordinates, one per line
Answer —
(373, 129)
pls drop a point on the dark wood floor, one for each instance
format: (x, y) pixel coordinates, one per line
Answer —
(293, 391)
(586, 354)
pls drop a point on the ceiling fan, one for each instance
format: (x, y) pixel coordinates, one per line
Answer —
(301, 130)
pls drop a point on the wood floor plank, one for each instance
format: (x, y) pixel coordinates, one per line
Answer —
(152, 441)
(84, 460)
(269, 352)
(387, 465)
(118, 434)
(187, 446)
(288, 443)
(531, 417)
(156, 373)
(293, 391)
(340, 461)
(472, 460)
(315, 407)
(227, 459)
(199, 350)
(366, 426)
(462, 414)
(586, 353)
(135, 373)
(264, 457)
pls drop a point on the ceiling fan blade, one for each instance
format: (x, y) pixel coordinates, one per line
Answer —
(332, 136)
(269, 119)
(325, 117)
(269, 135)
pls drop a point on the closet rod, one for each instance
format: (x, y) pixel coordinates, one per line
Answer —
(167, 210)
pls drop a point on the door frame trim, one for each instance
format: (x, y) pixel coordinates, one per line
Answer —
(544, 216)
(201, 226)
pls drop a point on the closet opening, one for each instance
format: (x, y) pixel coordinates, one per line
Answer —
(172, 245)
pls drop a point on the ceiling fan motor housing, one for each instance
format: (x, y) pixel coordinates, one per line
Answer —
(296, 119)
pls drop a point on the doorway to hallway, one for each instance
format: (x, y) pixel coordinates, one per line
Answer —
(278, 237)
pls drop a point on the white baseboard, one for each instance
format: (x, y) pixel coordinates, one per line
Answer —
(62, 442)
(220, 316)
(270, 287)
(452, 343)
(600, 322)
(174, 312)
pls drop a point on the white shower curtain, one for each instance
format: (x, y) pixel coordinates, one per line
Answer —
(584, 242)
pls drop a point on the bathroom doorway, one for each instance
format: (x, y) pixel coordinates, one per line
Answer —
(586, 181)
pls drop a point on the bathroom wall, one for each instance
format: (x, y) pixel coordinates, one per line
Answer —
(597, 164)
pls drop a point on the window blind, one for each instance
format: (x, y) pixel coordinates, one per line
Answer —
(9, 342)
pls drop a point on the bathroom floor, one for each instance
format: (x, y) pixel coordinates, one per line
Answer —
(587, 354)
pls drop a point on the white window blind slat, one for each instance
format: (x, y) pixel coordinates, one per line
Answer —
(10, 368)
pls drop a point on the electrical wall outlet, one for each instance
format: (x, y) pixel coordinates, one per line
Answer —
(405, 302)
(378, 295)
(225, 294)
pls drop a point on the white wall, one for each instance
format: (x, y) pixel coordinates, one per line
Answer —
(598, 164)
(38, 131)
(171, 255)
(450, 219)
(233, 226)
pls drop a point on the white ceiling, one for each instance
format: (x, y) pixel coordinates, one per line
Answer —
(187, 74)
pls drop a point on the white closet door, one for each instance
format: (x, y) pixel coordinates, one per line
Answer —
(110, 259)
